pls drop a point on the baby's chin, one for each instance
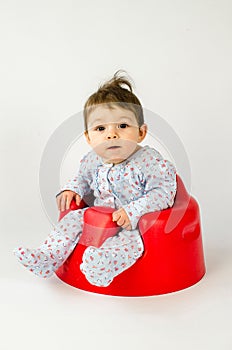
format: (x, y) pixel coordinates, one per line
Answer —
(119, 154)
(114, 161)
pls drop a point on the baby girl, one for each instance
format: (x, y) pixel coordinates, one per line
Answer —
(122, 174)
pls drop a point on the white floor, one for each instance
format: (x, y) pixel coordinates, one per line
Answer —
(48, 314)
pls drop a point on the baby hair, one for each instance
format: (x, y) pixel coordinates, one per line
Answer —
(113, 93)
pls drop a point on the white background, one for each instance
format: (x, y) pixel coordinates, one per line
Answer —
(53, 56)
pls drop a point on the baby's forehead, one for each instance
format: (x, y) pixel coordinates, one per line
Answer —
(107, 115)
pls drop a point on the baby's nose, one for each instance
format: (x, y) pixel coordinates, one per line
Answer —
(112, 136)
(112, 133)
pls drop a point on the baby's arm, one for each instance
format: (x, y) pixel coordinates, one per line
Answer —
(77, 187)
(159, 192)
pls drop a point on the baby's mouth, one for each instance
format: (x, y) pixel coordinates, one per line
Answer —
(114, 147)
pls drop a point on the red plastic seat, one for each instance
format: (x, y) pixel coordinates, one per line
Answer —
(173, 256)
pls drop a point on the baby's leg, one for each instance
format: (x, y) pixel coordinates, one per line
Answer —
(118, 253)
(59, 244)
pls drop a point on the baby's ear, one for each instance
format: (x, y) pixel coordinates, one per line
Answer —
(87, 136)
(142, 132)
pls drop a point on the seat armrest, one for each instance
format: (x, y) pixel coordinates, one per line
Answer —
(73, 206)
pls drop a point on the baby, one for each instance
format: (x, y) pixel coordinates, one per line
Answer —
(122, 174)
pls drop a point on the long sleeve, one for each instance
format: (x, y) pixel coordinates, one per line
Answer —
(80, 184)
(159, 182)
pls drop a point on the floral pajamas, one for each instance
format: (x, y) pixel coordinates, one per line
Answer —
(118, 253)
(59, 244)
(143, 183)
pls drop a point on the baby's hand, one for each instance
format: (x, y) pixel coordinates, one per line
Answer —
(120, 216)
(65, 198)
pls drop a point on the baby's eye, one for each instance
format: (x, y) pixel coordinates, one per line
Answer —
(100, 128)
(123, 126)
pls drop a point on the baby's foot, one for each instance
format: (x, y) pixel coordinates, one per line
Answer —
(35, 261)
(41, 271)
(30, 257)
(97, 266)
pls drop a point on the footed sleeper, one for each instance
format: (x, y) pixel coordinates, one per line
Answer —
(143, 183)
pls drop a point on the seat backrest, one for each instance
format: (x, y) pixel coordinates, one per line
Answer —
(182, 195)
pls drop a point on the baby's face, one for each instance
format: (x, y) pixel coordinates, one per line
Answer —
(114, 134)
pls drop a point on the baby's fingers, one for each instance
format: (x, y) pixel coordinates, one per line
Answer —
(78, 199)
(121, 221)
(58, 202)
(127, 226)
(115, 216)
(68, 201)
(65, 201)
(61, 201)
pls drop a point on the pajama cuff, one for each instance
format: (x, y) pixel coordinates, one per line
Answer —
(70, 189)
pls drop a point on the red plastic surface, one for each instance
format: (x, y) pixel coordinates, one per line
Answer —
(98, 226)
(173, 256)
